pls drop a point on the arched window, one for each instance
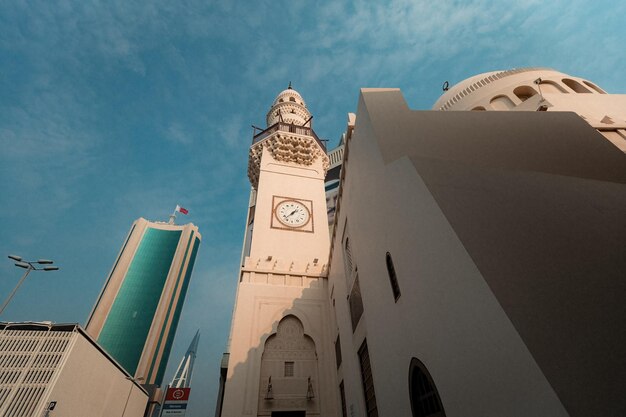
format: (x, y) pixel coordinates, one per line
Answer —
(576, 86)
(393, 279)
(595, 87)
(347, 250)
(551, 87)
(424, 398)
(524, 92)
(501, 103)
(292, 99)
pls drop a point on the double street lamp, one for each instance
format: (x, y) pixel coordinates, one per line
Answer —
(29, 266)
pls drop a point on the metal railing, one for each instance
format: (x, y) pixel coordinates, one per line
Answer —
(287, 127)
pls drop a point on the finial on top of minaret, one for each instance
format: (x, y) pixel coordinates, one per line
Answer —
(288, 107)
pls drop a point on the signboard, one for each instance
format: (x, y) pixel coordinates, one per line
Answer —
(175, 404)
(177, 394)
(174, 410)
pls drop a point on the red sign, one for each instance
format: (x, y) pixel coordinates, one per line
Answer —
(177, 394)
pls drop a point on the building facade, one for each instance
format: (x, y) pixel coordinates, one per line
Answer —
(137, 312)
(541, 89)
(280, 356)
(58, 370)
(475, 265)
(485, 278)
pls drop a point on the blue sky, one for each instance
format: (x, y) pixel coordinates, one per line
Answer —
(110, 111)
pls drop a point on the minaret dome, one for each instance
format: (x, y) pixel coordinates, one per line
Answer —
(288, 107)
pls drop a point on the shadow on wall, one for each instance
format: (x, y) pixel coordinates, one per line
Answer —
(282, 372)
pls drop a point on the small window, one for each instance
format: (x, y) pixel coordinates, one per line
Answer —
(594, 87)
(501, 102)
(292, 99)
(524, 92)
(368, 381)
(342, 392)
(356, 304)
(576, 86)
(347, 251)
(424, 398)
(288, 368)
(393, 278)
(552, 87)
(338, 351)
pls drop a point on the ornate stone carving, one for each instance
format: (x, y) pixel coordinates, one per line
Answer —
(285, 147)
(290, 341)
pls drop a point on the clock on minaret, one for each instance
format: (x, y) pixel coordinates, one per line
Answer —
(292, 214)
(282, 296)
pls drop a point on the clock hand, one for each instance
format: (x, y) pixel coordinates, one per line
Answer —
(291, 214)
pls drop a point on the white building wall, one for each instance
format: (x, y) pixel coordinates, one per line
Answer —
(446, 316)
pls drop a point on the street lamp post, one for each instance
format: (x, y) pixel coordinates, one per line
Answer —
(29, 266)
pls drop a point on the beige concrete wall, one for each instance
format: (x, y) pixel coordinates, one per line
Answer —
(89, 384)
(260, 307)
(285, 179)
(284, 275)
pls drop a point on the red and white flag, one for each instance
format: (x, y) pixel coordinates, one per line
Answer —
(181, 209)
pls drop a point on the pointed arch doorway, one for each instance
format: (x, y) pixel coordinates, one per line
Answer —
(289, 373)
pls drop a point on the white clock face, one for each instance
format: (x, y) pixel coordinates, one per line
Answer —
(292, 213)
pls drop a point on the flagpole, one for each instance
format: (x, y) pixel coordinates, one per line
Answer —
(172, 217)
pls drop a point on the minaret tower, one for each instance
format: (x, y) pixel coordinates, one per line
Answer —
(281, 356)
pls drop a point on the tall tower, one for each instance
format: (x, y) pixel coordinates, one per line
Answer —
(280, 351)
(136, 314)
(182, 377)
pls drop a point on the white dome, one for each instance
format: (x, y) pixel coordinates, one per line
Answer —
(532, 89)
(289, 106)
(458, 87)
(479, 89)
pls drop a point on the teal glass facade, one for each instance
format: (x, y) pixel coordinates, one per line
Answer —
(127, 325)
(174, 310)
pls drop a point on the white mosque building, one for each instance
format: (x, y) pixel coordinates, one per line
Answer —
(475, 265)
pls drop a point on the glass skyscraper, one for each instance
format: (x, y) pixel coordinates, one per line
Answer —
(137, 312)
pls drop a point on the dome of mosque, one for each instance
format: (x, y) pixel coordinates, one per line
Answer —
(512, 89)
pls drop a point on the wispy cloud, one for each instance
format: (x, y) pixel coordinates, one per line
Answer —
(114, 110)
(176, 133)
